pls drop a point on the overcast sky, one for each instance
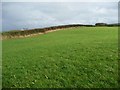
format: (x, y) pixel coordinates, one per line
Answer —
(43, 14)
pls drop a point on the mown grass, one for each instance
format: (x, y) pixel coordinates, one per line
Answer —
(84, 57)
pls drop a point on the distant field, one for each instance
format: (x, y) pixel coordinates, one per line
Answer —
(84, 57)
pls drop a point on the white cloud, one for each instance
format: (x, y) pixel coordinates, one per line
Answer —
(0, 17)
(60, 0)
(34, 15)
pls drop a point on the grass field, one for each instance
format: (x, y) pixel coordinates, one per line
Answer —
(84, 57)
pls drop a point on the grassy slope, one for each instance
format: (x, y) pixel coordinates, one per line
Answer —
(81, 57)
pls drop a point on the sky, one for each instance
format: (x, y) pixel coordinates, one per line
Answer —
(18, 15)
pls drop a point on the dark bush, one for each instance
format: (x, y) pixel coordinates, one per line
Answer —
(101, 24)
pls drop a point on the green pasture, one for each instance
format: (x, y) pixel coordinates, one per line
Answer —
(83, 57)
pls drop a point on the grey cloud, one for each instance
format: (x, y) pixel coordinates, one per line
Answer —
(35, 15)
(0, 10)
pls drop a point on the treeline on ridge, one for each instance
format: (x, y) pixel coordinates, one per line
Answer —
(11, 34)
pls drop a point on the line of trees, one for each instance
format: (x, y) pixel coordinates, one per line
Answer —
(105, 24)
(18, 33)
(39, 30)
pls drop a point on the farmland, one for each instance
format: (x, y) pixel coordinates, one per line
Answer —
(82, 57)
